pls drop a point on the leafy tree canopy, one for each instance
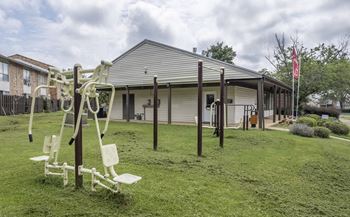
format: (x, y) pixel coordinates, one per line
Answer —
(325, 69)
(221, 52)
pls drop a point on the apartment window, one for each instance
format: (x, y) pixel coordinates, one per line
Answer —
(4, 72)
(26, 77)
(41, 79)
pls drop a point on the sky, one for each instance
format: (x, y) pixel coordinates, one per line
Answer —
(65, 32)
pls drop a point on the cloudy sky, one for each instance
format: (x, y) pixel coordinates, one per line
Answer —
(66, 32)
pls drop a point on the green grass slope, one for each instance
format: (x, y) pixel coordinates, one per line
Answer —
(257, 173)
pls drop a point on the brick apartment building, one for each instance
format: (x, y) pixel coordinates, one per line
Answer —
(19, 75)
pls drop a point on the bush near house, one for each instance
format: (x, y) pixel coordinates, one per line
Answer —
(325, 122)
(322, 132)
(314, 116)
(338, 128)
(332, 112)
(302, 130)
(307, 121)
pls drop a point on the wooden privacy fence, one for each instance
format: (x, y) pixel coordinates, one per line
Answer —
(13, 105)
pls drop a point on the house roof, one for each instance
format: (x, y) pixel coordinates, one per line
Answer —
(248, 72)
(30, 60)
(24, 64)
(29, 65)
(225, 64)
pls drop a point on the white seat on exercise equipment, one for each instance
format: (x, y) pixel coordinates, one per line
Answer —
(110, 158)
(40, 158)
(50, 147)
(127, 178)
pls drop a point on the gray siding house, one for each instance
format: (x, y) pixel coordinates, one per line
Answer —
(176, 70)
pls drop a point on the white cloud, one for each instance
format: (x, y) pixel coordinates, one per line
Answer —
(9, 24)
(66, 32)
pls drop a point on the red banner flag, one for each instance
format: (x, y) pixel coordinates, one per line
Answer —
(295, 64)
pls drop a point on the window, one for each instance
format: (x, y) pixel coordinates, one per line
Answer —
(4, 72)
(26, 77)
(41, 79)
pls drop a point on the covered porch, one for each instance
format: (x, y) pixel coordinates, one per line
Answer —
(271, 95)
(272, 102)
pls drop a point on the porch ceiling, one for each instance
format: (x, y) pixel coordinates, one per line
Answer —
(269, 83)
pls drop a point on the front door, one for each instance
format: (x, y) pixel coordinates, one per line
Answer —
(209, 98)
(131, 106)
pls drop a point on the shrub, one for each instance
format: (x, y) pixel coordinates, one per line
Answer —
(307, 121)
(302, 130)
(339, 128)
(332, 112)
(324, 122)
(321, 132)
(314, 116)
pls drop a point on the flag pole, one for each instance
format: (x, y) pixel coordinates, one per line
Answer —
(297, 108)
(292, 95)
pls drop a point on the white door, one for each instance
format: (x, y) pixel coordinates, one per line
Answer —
(209, 98)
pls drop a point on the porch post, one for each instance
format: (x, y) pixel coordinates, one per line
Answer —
(222, 108)
(169, 103)
(263, 103)
(127, 104)
(1, 103)
(274, 103)
(260, 102)
(199, 108)
(155, 113)
(279, 103)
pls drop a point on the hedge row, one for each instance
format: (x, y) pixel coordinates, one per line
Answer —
(307, 131)
(313, 120)
(332, 112)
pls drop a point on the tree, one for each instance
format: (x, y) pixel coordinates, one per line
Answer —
(221, 52)
(319, 66)
(339, 82)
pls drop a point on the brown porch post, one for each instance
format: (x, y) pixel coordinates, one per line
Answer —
(222, 108)
(1, 103)
(199, 108)
(127, 103)
(279, 103)
(274, 103)
(263, 103)
(260, 102)
(169, 103)
(155, 113)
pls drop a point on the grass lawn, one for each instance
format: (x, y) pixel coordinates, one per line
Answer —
(257, 173)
